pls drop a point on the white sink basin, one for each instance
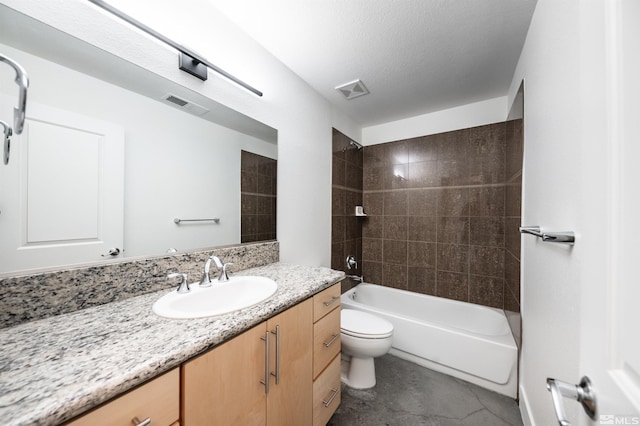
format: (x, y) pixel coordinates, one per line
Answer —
(220, 298)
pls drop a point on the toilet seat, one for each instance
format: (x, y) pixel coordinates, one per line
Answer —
(364, 325)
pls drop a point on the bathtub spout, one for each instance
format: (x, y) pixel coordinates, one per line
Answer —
(356, 278)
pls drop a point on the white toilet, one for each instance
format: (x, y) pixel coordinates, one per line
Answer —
(364, 336)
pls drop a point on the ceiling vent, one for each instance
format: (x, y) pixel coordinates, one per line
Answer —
(185, 105)
(353, 89)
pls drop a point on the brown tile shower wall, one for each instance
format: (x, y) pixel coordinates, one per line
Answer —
(513, 203)
(258, 197)
(436, 215)
(346, 194)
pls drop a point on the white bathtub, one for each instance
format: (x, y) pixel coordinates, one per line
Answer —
(468, 341)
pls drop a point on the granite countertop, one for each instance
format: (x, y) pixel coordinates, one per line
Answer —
(56, 368)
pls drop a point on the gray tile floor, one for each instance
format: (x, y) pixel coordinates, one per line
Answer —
(407, 394)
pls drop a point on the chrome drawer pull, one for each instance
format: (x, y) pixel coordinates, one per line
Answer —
(145, 422)
(330, 341)
(277, 373)
(333, 300)
(328, 402)
(265, 382)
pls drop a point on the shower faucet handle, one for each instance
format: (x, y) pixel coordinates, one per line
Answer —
(351, 262)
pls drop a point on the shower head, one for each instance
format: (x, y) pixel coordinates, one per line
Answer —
(356, 145)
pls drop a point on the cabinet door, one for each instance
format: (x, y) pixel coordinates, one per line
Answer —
(222, 386)
(158, 400)
(290, 401)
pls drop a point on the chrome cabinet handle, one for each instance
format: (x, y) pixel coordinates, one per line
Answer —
(265, 382)
(145, 422)
(330, 341)
(582, 393)
(277, 373)
(328, 401)
(333, 300)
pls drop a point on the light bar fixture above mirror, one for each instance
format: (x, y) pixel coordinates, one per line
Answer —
(189, 61)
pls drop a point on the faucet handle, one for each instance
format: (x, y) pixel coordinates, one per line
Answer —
(184, 285)
(224, 276)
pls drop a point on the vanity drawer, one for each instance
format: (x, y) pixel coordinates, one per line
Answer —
(326, 341)
(326, 393)
(158, 399)
(326, 301)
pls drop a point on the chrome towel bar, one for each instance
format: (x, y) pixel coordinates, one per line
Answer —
(566, 237)
(178, 221)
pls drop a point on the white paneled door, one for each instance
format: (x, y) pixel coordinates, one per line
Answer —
(610, 340)
(61, 201)
(615, 334)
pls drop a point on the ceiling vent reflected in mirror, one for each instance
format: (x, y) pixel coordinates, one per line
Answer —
(191, 107)
(353, 89)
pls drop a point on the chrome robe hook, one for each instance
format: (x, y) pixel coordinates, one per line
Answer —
(7, 132)
(22, 80)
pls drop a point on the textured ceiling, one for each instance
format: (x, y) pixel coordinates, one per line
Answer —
(414, 56)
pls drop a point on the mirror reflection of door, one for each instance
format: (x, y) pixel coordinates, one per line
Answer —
(62, 197)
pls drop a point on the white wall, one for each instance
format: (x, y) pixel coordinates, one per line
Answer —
(346, 126)
(303, 118)
(563, 189)
(461, 117)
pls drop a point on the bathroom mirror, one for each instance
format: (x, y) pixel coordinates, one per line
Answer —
(161, 154)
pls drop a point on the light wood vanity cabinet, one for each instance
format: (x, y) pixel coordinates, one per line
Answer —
(326, 354)
(284, 371)
(228, 385)
(157, 400)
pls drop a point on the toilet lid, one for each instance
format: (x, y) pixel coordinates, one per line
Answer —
(362, 324)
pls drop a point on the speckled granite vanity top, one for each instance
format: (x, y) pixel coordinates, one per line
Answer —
(56, 368)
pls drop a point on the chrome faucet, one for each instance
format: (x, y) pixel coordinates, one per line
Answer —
(206, 279)
(184, 285)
